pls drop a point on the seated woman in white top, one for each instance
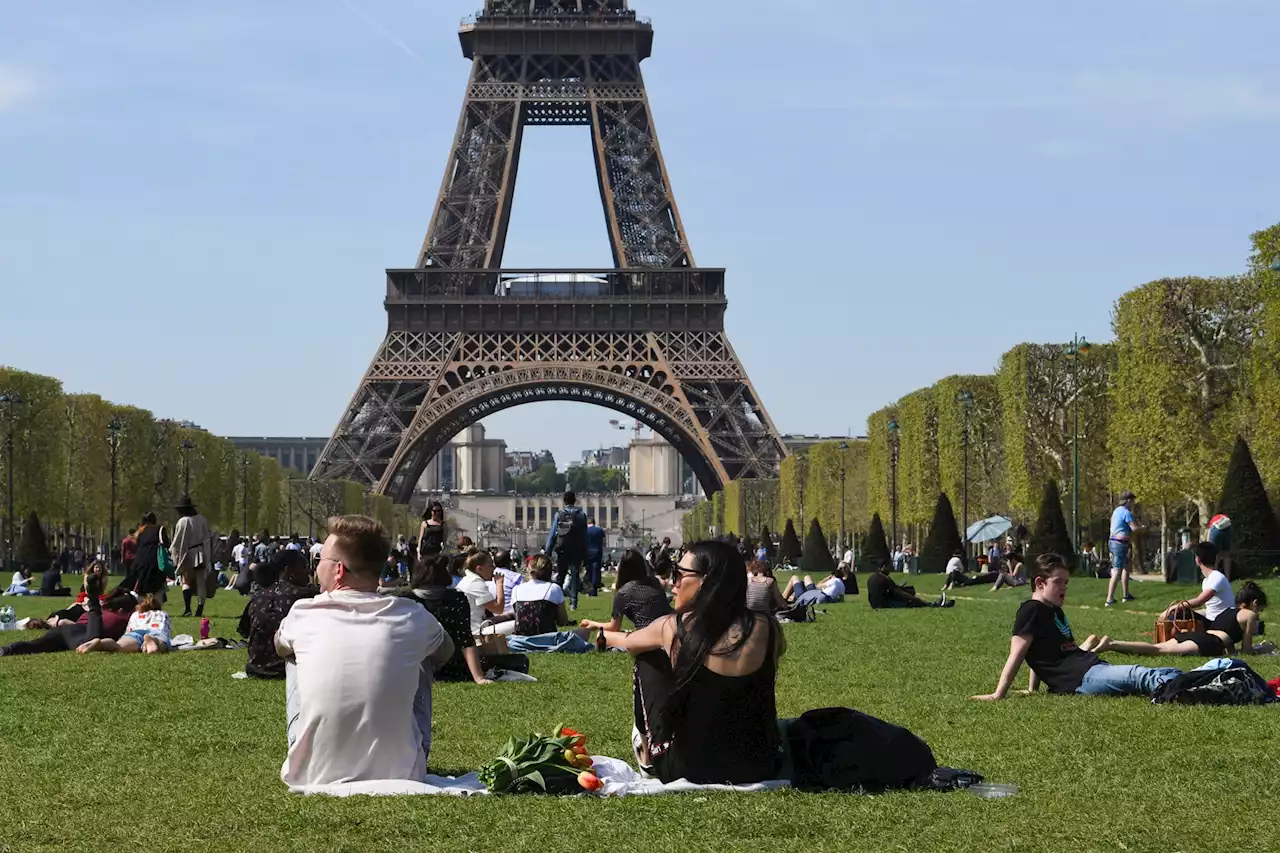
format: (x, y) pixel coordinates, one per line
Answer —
(538, 610)
(1234, 627)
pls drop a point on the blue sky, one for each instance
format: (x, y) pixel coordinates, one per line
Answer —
(198, 200)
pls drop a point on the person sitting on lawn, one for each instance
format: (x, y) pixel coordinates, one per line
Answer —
(1014, 575)
(477, 574)
(763, 595)
(1042, 637)
(286, 581)
(510, 578)
(639, 599)
(98, 619)
(1235, 627)
(358, 669)
(538, 609)
(431, 586)
(1215, 590)
(20, 584)
(705, 677)
(51, 583)
(148, 631)
(805, 592)
(884, 594)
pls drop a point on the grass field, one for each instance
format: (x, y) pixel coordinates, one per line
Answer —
(160, 753)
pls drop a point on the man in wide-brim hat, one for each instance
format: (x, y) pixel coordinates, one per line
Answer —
(192, 552)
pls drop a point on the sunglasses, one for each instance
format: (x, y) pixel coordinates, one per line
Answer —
(679, 573)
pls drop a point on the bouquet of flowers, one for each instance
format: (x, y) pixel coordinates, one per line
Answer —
(539, 763)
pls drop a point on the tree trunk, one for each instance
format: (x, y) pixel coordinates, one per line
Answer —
(1202, 509)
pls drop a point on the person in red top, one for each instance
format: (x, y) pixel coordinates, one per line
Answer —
(128, 549)
(101, 620)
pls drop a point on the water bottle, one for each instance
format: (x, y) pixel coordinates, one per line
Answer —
(8, 621)
(204, 628)
(992, 790)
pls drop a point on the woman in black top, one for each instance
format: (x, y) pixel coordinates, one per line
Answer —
(707, 695)
(640, 597)
(432, 589)
(431, 531)
(144, 576)
(1236, 626)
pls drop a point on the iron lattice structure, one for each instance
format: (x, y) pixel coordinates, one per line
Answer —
(467, 338)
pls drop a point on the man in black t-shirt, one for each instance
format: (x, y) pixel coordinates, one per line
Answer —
(1042, 637)
(884, 594)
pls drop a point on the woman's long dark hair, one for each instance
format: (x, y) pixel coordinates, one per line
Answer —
(430, 511)
(632, 567)
(432, 572)
(721, 603)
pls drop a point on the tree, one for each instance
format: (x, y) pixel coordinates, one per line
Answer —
(817, 556)
(1180, 393)
(789, 548)
(1039, 387)
(545, 481)
(988, 494)
(875, 551)
(1050, 534)
(1265, 356)
(918, 480)
(766, 539)
(33, 548)
(879, 456)
(943, 539)
(1244, 500)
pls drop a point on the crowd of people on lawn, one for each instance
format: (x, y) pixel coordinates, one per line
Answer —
(359, 628)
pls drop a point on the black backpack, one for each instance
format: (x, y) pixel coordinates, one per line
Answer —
(571, 529)
(1233, 685)
(847, 750)
(799, 613)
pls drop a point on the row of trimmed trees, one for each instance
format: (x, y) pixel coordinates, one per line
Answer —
(1195, 365)
(62, 447)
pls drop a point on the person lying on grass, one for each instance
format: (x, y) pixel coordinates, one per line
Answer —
(148, 631)
(884, 594)
(98, 619)
(1042, 637)
(640, 598)
(1235, 626)
(704, 677)
(829, 591)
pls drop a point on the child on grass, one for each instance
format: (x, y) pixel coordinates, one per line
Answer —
(1042, 637)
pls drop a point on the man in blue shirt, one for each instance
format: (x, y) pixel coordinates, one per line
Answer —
(1122, 528)
(595, 556)
(567, 545)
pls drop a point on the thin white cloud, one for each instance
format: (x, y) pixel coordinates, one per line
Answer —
(16, 86)
(374, 24)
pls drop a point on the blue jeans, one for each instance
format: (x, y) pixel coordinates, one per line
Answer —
(564, 641)
(569, 576)
(1107, 680)
(1119, 554)
(593, 573)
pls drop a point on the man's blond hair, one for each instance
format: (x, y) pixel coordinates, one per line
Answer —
(362, 545)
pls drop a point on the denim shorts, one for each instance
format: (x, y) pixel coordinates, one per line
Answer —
(140, 635)
(1119, 554)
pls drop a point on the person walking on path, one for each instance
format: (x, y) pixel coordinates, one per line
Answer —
(192, 550)
(1123, 527)
(567, 542)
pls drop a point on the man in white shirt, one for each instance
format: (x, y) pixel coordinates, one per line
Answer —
(1215, 592)
(475, 586)
(847, 562)
(358, 669)
(316, 548)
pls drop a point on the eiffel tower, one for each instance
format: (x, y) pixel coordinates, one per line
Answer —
(467, 338)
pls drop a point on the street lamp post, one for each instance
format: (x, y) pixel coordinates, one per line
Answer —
(186, 447)
(844, 446)
(1073, 351)
(114, 428)
(965, 399)
(893, 474)
(9, 400)
(244, 485)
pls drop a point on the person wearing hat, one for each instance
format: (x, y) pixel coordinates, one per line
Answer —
(1123, 527)
(192, 552)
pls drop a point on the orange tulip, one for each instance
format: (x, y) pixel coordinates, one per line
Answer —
(590, 781)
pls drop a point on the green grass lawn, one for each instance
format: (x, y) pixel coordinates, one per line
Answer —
(160, 753)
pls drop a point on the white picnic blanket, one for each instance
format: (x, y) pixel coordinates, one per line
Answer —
(620, 780)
